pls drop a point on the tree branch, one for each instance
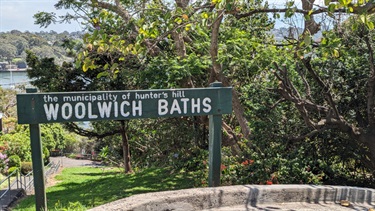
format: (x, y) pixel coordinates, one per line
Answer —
(367, 8)
(116, 8)
(325, 88)
(306, 107)
(76, 129)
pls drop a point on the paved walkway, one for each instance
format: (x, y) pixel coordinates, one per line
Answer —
(69, 162)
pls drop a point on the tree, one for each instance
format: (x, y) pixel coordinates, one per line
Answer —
(163, 35)
(8, 51)
(8, 108)
(53, 78)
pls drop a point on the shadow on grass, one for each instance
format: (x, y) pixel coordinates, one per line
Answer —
(99, 188)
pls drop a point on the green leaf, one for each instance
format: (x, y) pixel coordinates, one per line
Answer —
(324, 41)
(114, 66)
(307, 39)
(370, 25)
(326, 2)
(363, 18)
(331, 7)
(78, 63)
(336, 53)
(102, 74)
(85, 67)
(178, 20)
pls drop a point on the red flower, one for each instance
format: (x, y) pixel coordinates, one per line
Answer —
(269, 182)
(248, 162)
(222, 167)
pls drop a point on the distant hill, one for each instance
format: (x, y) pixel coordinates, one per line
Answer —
(13, 46)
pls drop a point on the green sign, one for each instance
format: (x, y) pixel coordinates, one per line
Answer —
(117, 105)
(34, 108)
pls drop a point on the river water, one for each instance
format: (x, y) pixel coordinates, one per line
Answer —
(11, 79)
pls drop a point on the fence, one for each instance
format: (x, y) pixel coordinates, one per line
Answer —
(16, 184)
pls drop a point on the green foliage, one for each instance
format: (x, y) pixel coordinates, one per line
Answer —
(46, 155)
(12, 169)
(143, 51)
(3, 163)
(26, 167)
(14, 161)
(18, 143)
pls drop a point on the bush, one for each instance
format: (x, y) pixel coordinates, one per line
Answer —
(12, 169)
(14, 161)
(46, 155)
(26, 167)
(3, 163)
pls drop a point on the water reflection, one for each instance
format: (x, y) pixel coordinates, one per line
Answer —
(11, 79)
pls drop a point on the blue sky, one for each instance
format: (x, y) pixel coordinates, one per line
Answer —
(18, 14)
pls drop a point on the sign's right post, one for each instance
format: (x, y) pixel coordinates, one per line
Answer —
(215, 122)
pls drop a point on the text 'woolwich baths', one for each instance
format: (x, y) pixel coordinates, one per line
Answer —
(117, 105)
(125, 108)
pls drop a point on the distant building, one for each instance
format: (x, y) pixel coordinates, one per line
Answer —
(22, 65)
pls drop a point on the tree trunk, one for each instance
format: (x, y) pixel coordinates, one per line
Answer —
(368, 140)
(216, 73)
(125, 148)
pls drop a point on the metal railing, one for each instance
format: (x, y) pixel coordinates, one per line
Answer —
(13, 182)
(16, 180)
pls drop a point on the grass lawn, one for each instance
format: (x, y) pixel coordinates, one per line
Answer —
(85, 187)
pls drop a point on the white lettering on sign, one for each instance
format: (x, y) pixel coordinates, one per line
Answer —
(180, 106)
(82, 110)
(113, 105)
(122, 109)
(66, 114)
(91, 115)
(80, 106)
(105, 109)
(51, 111)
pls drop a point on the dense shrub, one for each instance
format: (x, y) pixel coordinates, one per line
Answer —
(46, 155)
(26, 167)
(3, 162)
(12, 169)
(14, 161)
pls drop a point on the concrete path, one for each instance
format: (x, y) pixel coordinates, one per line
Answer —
(69, 162)
(250, 197)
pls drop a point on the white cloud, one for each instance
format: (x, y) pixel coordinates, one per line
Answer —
(19, 15)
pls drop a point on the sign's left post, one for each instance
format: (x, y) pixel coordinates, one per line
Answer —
(38, 164)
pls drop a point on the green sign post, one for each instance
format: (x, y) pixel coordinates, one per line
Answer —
(36, 108)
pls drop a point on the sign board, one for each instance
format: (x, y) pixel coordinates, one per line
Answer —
(35, 108)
